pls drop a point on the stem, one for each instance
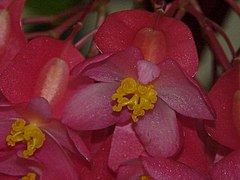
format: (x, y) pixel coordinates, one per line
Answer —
(224, 35)
(51, 19)
(211, 38)
(234, 6)
(82, 41)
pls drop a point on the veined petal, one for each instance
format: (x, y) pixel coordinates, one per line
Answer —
(91, 108)
(158, 131)
(225, 130)
(125, 146)
(116, 67)
(161, 168)
(182, 93)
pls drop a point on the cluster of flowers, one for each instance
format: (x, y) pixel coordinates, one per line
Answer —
(134, 111)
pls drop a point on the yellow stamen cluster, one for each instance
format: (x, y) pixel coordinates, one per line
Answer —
(29, 176)
(29, 134)
(136, 96)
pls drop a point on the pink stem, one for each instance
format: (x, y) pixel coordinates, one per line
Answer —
(82, 41)
(224, 35)
(234, 6)
(211, 38)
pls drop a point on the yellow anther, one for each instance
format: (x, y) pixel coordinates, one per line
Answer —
(29, 134)
(29, 176)
(137, 97)
(145, 178)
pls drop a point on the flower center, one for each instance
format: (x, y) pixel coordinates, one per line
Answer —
(29, 134)
(29, 176)
(145, 178)
(137, 97)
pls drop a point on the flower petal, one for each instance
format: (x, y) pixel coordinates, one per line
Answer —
(224, 130)
(27, 66)
(227, 168)
(158, 130)
(147, 71)
(12, 36)
(116, 67)
(125, 146)
(182, 93)
(161, 168)
(120, 29)
(55, 160)
(91, 108)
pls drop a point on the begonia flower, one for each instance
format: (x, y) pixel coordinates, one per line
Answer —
(225, 97)
(151, 93)
(11, 35)
(33, 135)
(157, 36)
(41, 69)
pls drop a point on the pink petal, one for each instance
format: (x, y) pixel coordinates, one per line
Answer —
(221, 95)
(11, 164)
(36, 108)
(125, 146)
(25, 70)
(158, 130)
(91, 108)
(227, 168)
(147, 71)
(120, 30)
(54, 161)
(160, 168)
(116, 67)
(182, 93)
(193, 152)
(131, 170)
(98, 168)
(12, 36)
(79, 144)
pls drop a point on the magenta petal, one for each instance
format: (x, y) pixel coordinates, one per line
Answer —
(147, 71)
(5, 128)
(227, 168)
(158, 131)
(79, 144)
(116, 67)
(56, 163)
(130, 170)
(125, 146)
(225, 131)
(91, 108)
(161, 168)
(182, 93)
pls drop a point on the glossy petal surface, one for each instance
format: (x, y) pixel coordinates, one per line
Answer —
(90, 108)
(158, 131)
(221, 96)
(181, 93)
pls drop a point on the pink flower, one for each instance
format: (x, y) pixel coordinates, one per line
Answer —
(29, 134)
(169, 89)
(225, 97)
(41, 69)
(11, 35)
(158, 37)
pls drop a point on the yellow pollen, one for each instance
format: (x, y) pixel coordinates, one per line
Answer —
(29, 134)
(29, 176)
(137, 97)
(145, 178)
